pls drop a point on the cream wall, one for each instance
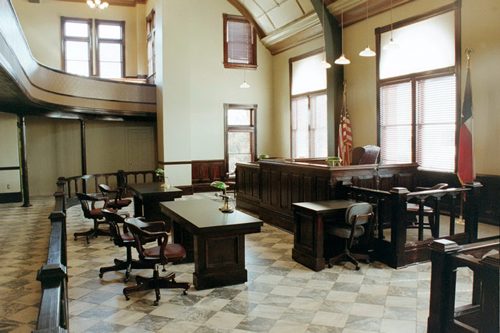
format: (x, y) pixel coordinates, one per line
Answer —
(41, 24)
(195, 85)
(480, 31)
(9, 179)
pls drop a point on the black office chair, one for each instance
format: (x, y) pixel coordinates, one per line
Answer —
(91, 211)
(358, 222)
(114, 196)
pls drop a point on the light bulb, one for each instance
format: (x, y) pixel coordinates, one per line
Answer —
(244, 85)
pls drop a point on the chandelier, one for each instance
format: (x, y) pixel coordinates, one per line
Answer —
(97, 4)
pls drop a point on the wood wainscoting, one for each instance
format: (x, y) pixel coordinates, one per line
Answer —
(204, 172)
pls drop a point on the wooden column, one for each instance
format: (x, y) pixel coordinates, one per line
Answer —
(471, 210)
(335, 75)
(21, 124)
(83, 154)
(398, 225)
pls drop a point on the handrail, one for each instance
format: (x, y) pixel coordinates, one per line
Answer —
(53, 315)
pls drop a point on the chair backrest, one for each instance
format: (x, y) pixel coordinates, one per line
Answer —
(104, 188)
(142, 236)
(114, 220)
(439, 186)
(86, 202)
(370, 155)
(361, 212)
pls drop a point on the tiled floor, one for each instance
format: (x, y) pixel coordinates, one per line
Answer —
(280, 295)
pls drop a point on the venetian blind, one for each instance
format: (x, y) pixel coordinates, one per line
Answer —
(436, 123)
(239, 42)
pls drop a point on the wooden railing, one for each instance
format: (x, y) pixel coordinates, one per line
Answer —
(53, 315)
(90, 183)
(391, 212)
(482, 314)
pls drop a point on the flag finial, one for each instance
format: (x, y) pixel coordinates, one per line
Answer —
(468, 52)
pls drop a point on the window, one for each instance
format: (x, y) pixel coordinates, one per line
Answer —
(78, 39)
(308, 107)
(150, 28)
(76, 46)
(418, 92)
(110, 47)
(240, 145)
(240, 47)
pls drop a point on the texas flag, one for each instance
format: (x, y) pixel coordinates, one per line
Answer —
(465, 168)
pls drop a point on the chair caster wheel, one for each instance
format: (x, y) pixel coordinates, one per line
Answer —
(101, 275)
(155, 303)
(127, 298)
(357, 268)
(184, 292)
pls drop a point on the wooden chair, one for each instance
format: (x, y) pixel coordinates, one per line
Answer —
(122, 238)
(358, 222)
(114, 196)
(153, 257)
(413, 210)
(90, 211)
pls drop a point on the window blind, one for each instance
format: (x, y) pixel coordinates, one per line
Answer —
(436, 123)
(396, 123)
(239, 42)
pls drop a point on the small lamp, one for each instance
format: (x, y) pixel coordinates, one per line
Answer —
(220, 185)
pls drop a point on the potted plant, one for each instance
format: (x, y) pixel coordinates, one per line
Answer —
(333, 161)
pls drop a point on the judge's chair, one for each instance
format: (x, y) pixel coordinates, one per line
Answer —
(358, 222)
(122, 238)
(154, 257)
(413, 212)
(93, 212)
(365, 155)
(114, 196)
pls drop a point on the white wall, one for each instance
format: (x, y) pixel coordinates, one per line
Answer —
(9, 154)
(195, 85)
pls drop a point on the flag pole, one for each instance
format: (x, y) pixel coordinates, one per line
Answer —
(460, 220)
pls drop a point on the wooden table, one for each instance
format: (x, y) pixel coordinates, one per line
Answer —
(150, 195)
(310, 219)
(215, 241)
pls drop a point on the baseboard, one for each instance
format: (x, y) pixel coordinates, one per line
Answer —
(11, 197)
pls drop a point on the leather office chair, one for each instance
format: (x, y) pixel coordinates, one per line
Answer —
(153, 257)
(122, 238)
(114, 196)
(413, 209)
(365, 155)
(358, 222)
(90, 211)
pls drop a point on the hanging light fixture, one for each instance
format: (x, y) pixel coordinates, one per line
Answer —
(325, 63)
(367, 52)
(97, 4)
(392, 45)
(245, 84)
(342, 60)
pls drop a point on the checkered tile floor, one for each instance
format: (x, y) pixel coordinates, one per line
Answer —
(280, 295)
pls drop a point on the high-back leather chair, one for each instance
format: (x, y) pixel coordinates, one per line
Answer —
(122, 238)
(413, 212)
(358, 222)
(365, 155)
(91, 211)
(114, 196)
(153, 257)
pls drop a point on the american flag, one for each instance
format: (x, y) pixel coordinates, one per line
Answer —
(345, 132)
(465, 168)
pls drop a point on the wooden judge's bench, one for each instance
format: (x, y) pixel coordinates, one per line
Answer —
(270, 187)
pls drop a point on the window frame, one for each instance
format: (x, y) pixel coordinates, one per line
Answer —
(65, 38)
(252, 129)
(98, 41)
(150, 38)
(253, 59)
(414, 77)
(309, 94)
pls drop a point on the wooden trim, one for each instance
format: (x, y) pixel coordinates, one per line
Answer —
(253, 63)
(9, 168)
(246, 14)
(174, 162)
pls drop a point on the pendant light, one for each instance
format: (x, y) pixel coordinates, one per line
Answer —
(245, 84)
(367, 52)
(97, 4)
(342, 60)
(392, 45)
(325, 63)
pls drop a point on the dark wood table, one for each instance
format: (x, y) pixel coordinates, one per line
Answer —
(150, 195)
(310, 219)
(215, 241)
